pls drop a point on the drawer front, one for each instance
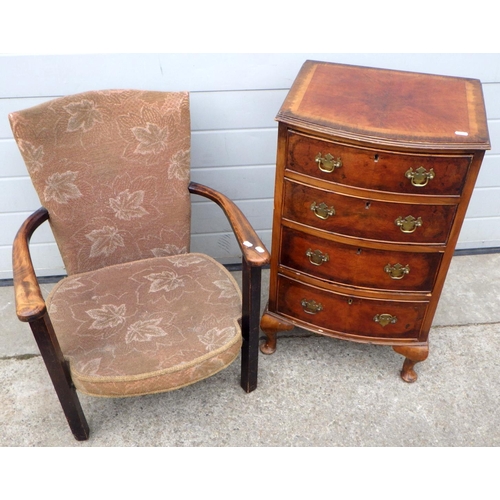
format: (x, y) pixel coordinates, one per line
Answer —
(379, 170)
(349, 314)
(358, 266)
(364, 218)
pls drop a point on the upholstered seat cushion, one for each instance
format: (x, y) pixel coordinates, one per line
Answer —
(147, 326)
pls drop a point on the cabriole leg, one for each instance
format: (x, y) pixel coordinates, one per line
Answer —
(413, 355)
(271, 325)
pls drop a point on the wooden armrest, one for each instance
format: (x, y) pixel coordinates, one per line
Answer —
(254, 251)
(30, 304)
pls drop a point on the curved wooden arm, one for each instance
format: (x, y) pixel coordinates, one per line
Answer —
(254, 251)
(30, 304)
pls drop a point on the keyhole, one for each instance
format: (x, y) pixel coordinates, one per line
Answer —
(367, 205)
(359, 251)
(375, 158)
(349, 301)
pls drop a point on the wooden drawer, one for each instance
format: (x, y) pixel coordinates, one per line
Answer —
(364, 218)
(358, 265)
(349, 314)
(378, 170)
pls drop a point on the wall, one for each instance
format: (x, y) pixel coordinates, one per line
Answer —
(234, 99)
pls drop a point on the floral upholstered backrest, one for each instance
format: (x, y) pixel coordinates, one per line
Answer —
(112, 169)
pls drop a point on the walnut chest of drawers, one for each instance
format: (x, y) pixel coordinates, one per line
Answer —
(375, 170)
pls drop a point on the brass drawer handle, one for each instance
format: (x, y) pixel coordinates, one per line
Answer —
(322, 210)
(384, 319)
(311, 306)
(327, 164)
(420, 177)
(317, 257)
(397, 271)
(408, 224)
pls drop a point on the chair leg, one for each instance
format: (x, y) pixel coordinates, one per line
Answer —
(251, 283)
(59, 373)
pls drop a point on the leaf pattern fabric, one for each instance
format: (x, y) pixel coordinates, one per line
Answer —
(32, 156)
(61, 187)
(108, 316)
(84, 115)
(160, 322)
(104, 241)
(151, 138)
(144, 331)
(128, 205)
(112, 169)
(166, 280)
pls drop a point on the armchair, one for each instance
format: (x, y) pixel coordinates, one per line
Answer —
(137, 313)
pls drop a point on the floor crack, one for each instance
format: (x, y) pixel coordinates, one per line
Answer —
(19, 357)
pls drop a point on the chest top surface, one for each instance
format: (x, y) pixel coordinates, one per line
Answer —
(395, 108)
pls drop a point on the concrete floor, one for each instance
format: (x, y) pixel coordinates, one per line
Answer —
(313, 392)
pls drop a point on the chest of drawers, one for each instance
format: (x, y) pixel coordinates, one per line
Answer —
(375, 170)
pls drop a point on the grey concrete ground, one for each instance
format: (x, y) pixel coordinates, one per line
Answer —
(314, 391)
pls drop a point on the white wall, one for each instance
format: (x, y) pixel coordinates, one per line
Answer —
(234, 99)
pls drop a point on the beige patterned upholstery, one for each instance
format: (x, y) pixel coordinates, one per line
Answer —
(112, 168)
(137, 313)
(147, 326)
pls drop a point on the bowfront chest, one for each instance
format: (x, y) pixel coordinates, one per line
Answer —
(375, 170)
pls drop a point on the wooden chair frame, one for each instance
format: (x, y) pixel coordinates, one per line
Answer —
(31, 307)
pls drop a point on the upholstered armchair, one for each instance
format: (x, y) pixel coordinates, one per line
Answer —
(137, 313)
